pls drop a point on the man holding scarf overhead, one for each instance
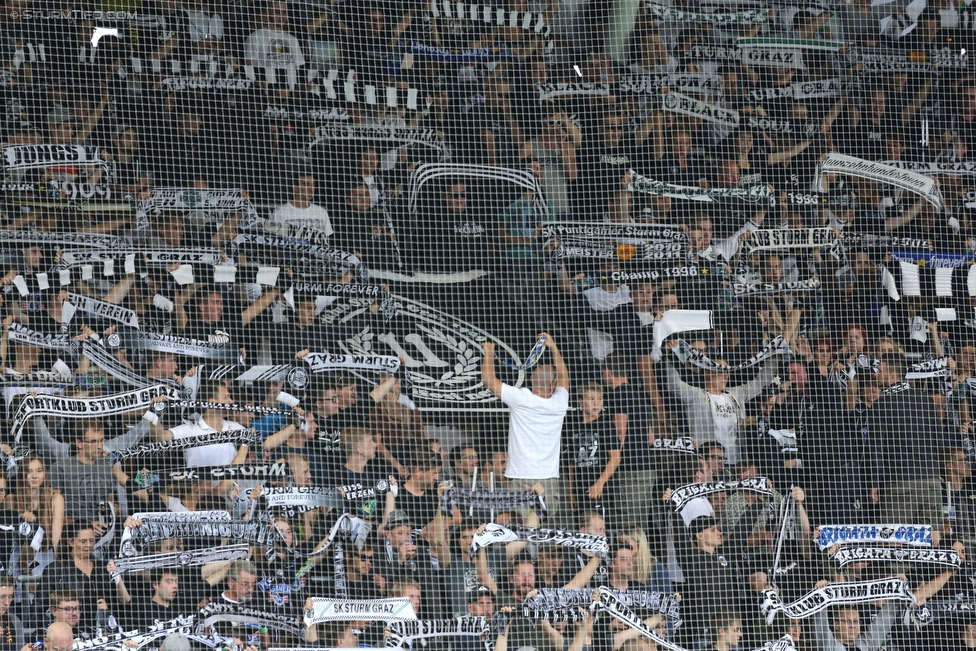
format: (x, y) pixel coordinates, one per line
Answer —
(536, 422)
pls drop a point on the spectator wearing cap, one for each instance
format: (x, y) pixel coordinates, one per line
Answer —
(409, 557)
(300, 210)
(272, 46)
(711, 579)
(714, 413)
(535, 422)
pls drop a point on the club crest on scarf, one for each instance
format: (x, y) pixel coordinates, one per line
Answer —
(443, 353)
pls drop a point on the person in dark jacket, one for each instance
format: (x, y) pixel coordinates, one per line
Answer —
(904, 420)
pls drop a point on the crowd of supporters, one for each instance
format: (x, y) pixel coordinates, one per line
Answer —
(612, 420)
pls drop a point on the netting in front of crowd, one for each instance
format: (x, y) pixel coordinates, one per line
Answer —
(536, 325)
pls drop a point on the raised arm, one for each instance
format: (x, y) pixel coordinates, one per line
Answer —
(562, 371)
(488, 378)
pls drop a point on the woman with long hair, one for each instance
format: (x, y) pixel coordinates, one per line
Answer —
(39, 503)
(647, 570)
(89, 579)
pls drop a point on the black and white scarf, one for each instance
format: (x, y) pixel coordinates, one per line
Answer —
(613, 606)
(922, 185)
(104, 309)
(833, 87)
(929, 368)
(674, 102)
(52, 405)
(943, 557)
(834, 594)
(789, 238)
(560, 599)
(262, 471)
(256, 532)
(24, 335)
(533, 358)
(218, 612)
(309, 497)
(752, 290)
(327, 362)
(492, 500)
(684, 352)
(745, 16)
(64, 240)
(104, 360)
(186, 558)
(584, 542)
(855, 534)
(936, 609)
(25, 157)
(588, 231)
(778, 57)
(407, 631)
(236, 436)
(656, 275)
(651, 85)
(136, 340)
(554, 91)
(645, 185)
(682, 444)
(490, 15)
(684, 494)
(393, 136)
(374, 610)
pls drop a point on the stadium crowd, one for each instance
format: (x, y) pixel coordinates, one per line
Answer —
(828, 384)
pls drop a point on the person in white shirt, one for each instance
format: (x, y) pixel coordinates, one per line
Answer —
(272, 46)
(535, 422)
(219, 454)
(300, 210)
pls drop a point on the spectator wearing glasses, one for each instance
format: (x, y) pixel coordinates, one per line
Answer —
(66, 608)
(86, 479)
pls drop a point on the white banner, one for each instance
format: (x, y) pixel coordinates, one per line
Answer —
(911, 181)
(679, 103)
(344, 610)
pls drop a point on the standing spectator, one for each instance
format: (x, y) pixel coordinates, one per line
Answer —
(272, 46)
(630, 413)
(86, 479)
(219, 454)
(714, 413)
(904, 418)
(593, 451)
(34, 499)
(555, 149)
(535, 422)
(300, 210)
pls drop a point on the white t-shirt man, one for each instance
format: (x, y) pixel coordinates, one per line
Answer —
(219, 454)
(726, 425)
(269, 48)
(315, 216)
(534, 428)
